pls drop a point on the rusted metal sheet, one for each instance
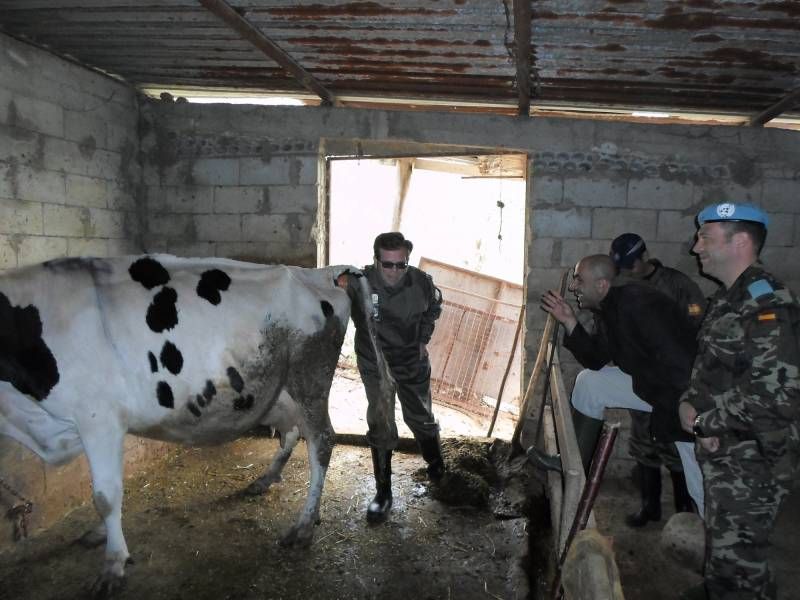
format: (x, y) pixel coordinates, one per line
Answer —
(703, 55)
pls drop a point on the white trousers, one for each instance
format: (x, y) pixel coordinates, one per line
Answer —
(609, 387)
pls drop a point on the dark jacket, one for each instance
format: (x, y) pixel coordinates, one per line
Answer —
(406, 315)
(647, 335)
(681, 288)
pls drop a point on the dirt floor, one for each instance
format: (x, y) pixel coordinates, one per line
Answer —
(193, 535)
(648, 572)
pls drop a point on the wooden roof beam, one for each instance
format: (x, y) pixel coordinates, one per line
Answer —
(522, 43)
(252, 34)
(787, 103)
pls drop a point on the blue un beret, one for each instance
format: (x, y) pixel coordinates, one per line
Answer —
(728, 211)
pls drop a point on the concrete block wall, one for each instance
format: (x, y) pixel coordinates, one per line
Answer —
(69, 182)
(212, 190)
(69, 171)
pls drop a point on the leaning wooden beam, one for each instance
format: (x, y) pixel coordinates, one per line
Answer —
(787, 103)
(528, 404)
(522, 45)
(571, 464)
(252, 34)
(526, 408)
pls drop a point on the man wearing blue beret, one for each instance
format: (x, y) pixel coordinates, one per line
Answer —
(743, 402)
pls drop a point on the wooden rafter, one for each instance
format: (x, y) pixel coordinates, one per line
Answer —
(522, 43)
(252, 34)
(786, 103)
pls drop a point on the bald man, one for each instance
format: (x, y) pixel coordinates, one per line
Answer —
(647, 336)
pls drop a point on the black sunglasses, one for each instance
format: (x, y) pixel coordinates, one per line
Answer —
(387, 264)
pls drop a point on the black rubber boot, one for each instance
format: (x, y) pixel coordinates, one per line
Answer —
(683, 501)
(650, 487)
(378, 509)
(587, 430)
(431, 449)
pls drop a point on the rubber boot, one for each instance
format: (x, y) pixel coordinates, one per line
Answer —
(431, 449)
(650, 487)
(378, 509)
(683, 501)
(587, 431)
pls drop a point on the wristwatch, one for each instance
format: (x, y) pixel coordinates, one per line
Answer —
(696, 429)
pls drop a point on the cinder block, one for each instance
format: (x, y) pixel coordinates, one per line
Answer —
(66, 221)
(674, 226)
(170, 226)
(86, 191)
(181, 199)
(36, 249)
(280, 199)
(8, 254)
(87, 247)
(781, 195)
(574, 250)
(121, 136)
(120, 198)
(8, 183)
(216, 171)
(40, 186)
(104, 164)
(22, 150)
(36, 115)
(659, 194)
(265, 228)
(721, 190)
(595, 192)
(547, 189)
(21, 217)
(540, 253)
(123, 247)
(63, 155)
(609, 223)
(574, 222)
(218, 228)
(281, 170)
(238, 199)
(196, 249)
(78, 126)
(781, 229)
(108, 223)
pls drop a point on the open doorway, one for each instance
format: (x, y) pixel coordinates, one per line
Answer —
(465, 216)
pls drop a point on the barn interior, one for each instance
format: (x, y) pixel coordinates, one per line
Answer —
(214, 128)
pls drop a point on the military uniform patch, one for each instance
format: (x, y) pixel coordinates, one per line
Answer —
(760, 288)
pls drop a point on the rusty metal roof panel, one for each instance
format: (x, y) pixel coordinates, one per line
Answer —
(699, 54)
(706, 55)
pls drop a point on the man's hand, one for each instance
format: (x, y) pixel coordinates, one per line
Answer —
(554, 304)
(709, 444)
(688, 414)
(423, 350)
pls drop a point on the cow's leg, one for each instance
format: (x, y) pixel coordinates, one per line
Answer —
(104, 452)
(319, 439)
(273, 473)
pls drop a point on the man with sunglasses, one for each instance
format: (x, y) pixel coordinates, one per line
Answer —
(406, 305)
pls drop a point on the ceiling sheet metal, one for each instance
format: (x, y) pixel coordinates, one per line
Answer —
(702, 55)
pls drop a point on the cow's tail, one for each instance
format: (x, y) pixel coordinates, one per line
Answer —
(362, 314)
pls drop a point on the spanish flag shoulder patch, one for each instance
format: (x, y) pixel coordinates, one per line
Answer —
(766, 316)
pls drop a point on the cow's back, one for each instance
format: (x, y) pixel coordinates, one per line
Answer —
(180, 349)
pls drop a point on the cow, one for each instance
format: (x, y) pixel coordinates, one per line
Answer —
(196, 351)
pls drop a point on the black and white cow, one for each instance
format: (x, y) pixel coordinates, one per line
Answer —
(182, 350)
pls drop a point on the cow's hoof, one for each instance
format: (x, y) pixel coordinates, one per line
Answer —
(107, 586)
(260, 486)
(296, 538)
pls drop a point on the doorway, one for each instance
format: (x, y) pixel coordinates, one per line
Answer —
(465, 216)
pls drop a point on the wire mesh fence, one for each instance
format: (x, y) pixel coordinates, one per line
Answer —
(470, 351)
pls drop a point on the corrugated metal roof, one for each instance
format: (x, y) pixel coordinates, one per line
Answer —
(703, 55)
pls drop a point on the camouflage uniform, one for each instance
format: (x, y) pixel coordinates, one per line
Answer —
(746, 389)
(683, 290)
